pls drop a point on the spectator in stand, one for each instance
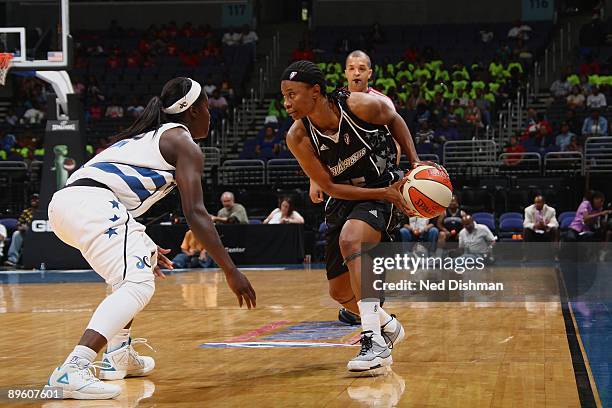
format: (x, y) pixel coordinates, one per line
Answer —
(596, 99)
(284, 214)
(11, 117)
(594, 125)
(419, 229)
(576, 99)
(23, 225)
(211, 50)
(103, 144)
(275, 108)
(449, 224)
(445, 132)
(574, 146)
(475, 239)
(227, 91)
(132, 60)
(113, 61)
(472, 114)
(519, 31)
(231, 213)
(248, 36)
(563, 139)
(587, 223)
(514, 147)
(95, 110)
(114, 110)
(33, 115)
(209, 87)
(93, 89)
(540, 222)
(561, 87)
(78, 86)
(268, 145)
(484, 105)
(302, 52)
(135, 108)
(585, 85)
(193, 254)
(231, 38)
(572, 120)
(589, 66)
(425, 134)
(218, 107)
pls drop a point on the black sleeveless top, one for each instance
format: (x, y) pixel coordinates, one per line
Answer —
(361, 153)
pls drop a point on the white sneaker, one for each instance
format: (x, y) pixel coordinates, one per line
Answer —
(126, 362)
(77, 380)
(374, 353)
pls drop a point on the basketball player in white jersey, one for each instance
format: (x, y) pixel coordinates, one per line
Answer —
(96, 212)
(358, 71)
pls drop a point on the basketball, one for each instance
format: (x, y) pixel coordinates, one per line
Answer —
(428, 191)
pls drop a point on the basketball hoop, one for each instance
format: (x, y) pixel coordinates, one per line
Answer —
(5, 65)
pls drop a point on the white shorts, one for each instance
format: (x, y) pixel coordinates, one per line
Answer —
(93, 220)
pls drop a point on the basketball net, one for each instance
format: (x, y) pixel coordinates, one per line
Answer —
(5, 65)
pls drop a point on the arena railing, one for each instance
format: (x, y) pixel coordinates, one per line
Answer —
(285, 172)
(528, 163)
(563, 163)
(242, 172)
(212, 158)
(14, 181)
(470, 157)
(598, 154)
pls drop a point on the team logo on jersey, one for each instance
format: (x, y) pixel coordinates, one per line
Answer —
(292, 74)
(323, 147)
(142, 262)
(347, 139)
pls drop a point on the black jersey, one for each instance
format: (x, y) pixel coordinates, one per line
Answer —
(360, 153)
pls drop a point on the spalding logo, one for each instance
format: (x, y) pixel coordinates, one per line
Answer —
(421, 205)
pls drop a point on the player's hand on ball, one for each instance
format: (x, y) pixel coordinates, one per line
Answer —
(394, 196)
(429, 163)
(162, 261)
(315, 192)
(240, 285)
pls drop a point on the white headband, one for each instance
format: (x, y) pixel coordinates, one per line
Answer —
(186, 101)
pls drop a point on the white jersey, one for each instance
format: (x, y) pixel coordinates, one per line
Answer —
(134, 169)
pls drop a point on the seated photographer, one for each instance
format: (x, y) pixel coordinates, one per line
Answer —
(193, 254)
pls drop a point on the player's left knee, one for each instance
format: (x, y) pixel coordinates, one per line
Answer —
(349, 244)
(142, 292)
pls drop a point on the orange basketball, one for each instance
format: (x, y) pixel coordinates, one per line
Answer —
(428, 191)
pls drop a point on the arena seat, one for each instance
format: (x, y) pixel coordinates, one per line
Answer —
(508, 215)
(485, 218)
(509, 227)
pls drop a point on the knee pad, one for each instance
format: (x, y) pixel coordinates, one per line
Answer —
(142, 292)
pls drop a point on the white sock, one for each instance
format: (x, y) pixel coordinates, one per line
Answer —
(81, 352)
(386, 319)
(119, 340)
(368, 310)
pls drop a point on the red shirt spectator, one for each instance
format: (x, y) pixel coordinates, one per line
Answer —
(514, 147)
(95, 111)
(144, 46)
(171, 48)
(148, 62)
(190, 60)
(302, 53)
(132, 60)
(113, 62)
(211, 50)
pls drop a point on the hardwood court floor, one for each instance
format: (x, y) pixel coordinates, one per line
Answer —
(455, 355)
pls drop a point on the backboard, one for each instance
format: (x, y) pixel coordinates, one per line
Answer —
(37, 33)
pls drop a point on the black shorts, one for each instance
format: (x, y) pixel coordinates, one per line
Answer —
(377, 214)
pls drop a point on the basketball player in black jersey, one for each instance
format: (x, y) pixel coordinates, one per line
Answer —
(344, 143)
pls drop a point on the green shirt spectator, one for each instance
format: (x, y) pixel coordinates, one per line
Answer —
(573, 79)
(231, 213)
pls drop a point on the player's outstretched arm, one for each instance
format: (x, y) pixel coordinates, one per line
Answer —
(178, 149)
(300, 146)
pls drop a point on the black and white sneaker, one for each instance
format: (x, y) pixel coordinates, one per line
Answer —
(348, 317)
(374, 353)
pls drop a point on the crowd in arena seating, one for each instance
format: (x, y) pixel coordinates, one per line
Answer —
(117, 70)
